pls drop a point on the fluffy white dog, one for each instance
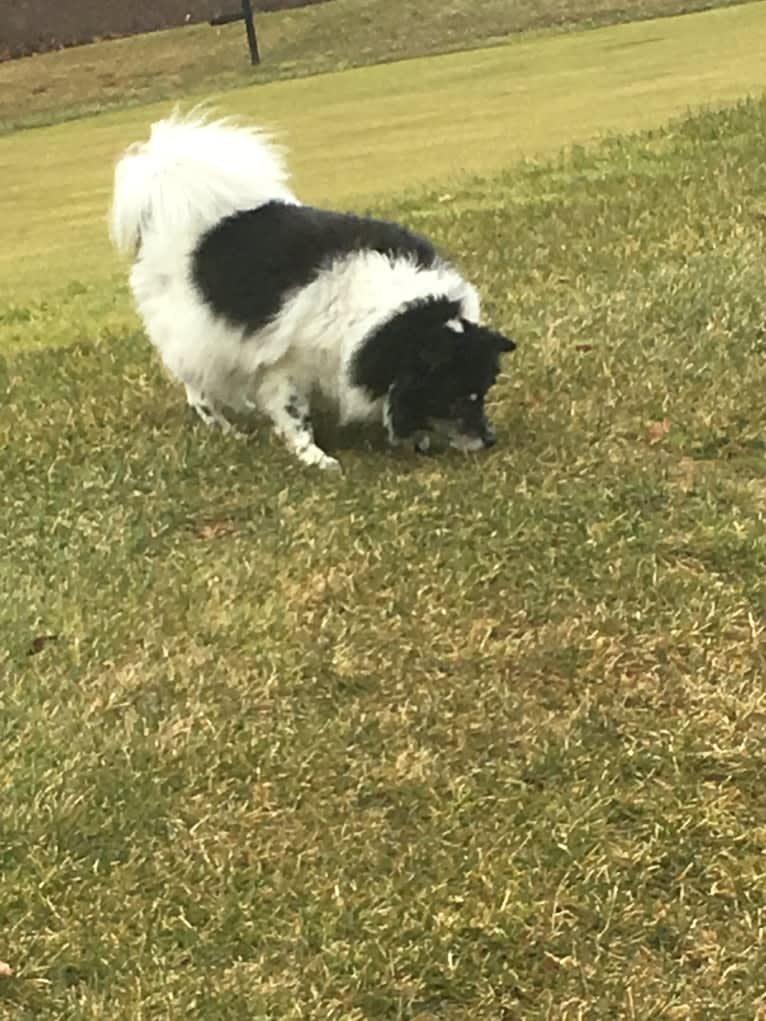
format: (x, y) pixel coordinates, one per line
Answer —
(256, 301)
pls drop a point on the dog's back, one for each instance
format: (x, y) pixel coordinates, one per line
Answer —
(249, 264)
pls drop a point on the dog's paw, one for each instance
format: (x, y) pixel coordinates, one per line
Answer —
(316, 458)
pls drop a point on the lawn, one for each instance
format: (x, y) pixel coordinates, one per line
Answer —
(441, 738)
(307, 41)
(352, 138)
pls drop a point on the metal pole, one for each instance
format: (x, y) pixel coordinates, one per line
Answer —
(252, 40)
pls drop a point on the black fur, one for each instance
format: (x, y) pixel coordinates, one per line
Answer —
(246, 265)
(399, 346)
(430, 371)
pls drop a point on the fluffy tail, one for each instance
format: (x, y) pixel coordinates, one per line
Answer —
(190, 174)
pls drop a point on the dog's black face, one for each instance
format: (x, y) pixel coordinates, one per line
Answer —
(455, 364)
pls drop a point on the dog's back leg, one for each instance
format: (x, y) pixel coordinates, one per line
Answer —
(290, 413)
(206, 409)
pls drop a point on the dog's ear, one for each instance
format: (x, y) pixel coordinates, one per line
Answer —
(498, 341)
(503, 343)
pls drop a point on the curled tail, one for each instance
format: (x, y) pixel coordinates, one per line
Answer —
(190, 174)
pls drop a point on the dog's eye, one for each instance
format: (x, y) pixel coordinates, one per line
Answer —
(473, 397)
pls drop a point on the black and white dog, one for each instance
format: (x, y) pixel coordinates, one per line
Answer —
(255, 301)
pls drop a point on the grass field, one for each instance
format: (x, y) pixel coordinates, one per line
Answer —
(328, 37)
(440, 739)
(352, 138)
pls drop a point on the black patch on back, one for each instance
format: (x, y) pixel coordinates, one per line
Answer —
(248, 263)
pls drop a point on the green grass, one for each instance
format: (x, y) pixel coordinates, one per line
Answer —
(441, 738)
(327, 37)
(352, 137)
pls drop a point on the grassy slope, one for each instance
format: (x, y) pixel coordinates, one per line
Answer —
(440, 738)
(353, 136)
(341, 34)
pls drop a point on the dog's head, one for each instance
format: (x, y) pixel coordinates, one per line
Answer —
(453, 365)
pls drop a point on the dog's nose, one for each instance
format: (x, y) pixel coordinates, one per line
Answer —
(489, 439)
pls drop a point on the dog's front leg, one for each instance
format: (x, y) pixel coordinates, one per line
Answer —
(421, 437)
(289, 410)
(388, 423)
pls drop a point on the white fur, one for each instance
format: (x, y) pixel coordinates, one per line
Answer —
(189, 175)
(168, 191)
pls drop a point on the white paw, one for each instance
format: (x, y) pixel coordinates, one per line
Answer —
(204, 415)
(331, 463)
(212, 417)
(318, 459)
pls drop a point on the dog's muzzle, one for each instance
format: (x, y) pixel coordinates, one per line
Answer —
(472, 436)
(469, 443)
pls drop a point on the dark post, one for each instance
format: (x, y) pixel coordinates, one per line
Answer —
(246, 15)
(252, 39)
